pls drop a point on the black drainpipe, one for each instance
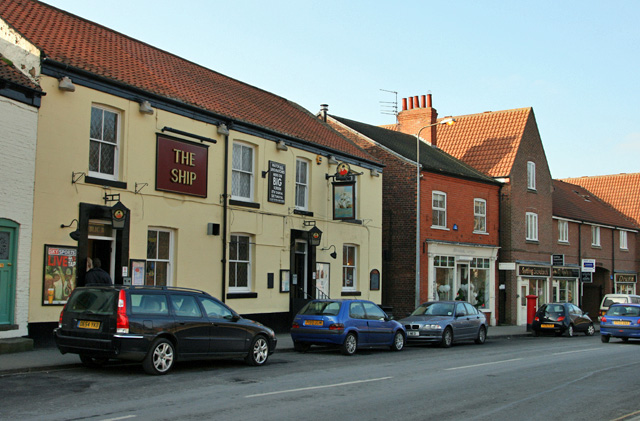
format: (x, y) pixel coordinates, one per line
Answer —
(224, 214)
(613, 260)
(580, 264)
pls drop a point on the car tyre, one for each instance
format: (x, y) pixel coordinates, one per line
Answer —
(398, 341)
(258, 352)
(301, 346)
(447, 338)
(605, 338)
(590, 330)
(160, 358)
(350, 344)
(569, 331)
(482, 335)
(89, 361)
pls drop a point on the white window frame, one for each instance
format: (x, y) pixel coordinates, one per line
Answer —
(532, 226)
(302, 186)
(480, 215)
(563, 231)
(116, 153)
(531, 175)
(438, 209)
(595, 236)
(169, 261)
(237, 172)
(624, 244)
(349, 250)
(235, 259)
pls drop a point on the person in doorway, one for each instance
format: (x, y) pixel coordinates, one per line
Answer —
(96, 275)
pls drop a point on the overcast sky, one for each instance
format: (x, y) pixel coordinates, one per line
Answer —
(575, 62)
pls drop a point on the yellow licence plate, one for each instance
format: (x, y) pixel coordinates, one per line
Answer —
(621, 322)
(313, 323)
(548, 326)
(86, 324)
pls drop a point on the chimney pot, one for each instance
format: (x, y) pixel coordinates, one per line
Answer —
(429, 101)
(324, 109)
(423, 101)
(416, 100)
(404, 104)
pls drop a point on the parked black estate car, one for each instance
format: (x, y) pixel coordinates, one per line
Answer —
(157, 326)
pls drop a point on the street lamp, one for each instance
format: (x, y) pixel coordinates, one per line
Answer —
(448, 121)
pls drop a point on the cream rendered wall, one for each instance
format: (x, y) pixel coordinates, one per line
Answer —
(18, 132)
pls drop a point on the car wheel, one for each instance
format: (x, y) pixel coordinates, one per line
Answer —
(89, 361)
(160, 358)
(482, 336)
(301, 346)
(398, 342)
(604, 338)
(350, 344)
(590, 330)
(259, 351)
(569, 331)
(447, 338)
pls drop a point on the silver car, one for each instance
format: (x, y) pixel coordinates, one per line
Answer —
(446, 322)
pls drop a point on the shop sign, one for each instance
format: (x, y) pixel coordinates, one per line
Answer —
(566, 273)
(589, 265)
(626, 278)
(277, 176)
(533, 271)
(344, 201)
(181, 167)
(557, 259)
(586, 277)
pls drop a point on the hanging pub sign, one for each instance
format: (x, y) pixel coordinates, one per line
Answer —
(181, 167)
(277, 176)
(344, 201)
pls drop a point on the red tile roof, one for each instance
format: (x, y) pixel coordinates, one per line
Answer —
(575, 202)
(486, 141)
(10, 73)
(82, 44)
(622, 191)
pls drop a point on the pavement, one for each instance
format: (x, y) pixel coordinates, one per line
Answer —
(48, 358)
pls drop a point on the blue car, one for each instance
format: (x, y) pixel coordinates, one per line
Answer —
(348, 324)
(621, 321)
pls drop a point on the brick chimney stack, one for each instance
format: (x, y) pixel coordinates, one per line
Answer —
(417, 115)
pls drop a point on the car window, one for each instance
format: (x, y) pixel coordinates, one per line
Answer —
(460, 310)
(214, 309)
(319, 308)
(471, 310)
(635, 300)
(554, 309)
(142, 303)
(356, 311)
(94, 301)
(434, 309)
(185, 306)
(373, 311)
(625, 311)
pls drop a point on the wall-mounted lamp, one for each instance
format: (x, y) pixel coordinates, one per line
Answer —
(334, 254)
(332, 160)
(66, 85)
(375, 173)
(145, 108)
(223, 129)
(70, 223)
(281, 146)
(75, 235)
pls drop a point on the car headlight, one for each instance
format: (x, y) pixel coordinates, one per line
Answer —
(431, 327)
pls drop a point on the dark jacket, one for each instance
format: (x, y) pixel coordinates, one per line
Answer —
(97, 276)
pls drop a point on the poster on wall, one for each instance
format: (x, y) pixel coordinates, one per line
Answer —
(277, 177)
(138, 271)
(344, 201)
(322, 279)
(59, 274)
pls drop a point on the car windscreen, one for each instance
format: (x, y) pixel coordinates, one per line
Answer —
(93, 301)
(614, 300)
(554, 309)
(321, 308)
(625, 311)
(434, 309)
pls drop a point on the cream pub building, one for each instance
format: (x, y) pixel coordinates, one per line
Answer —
(172, 174)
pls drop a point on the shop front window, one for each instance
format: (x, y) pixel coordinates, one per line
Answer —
(479, 283)
(625, 288)
(566, 291)
(539, 287)
(445, 271)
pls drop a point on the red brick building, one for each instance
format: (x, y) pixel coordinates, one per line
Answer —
(459, 220)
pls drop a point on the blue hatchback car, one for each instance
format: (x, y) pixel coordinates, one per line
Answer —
(349, 324)
(621, 321)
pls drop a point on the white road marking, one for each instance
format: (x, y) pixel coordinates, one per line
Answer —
(480, 365)
(572, 352)
(302, 389)
(120, 418)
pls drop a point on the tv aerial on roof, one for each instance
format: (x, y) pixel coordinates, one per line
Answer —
(389, 107)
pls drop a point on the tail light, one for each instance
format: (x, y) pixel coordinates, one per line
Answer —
(122, 323)
(604, 319)
(336, 326)
(561, 318)
(537, 319)
(61, 314)
(295, 325)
